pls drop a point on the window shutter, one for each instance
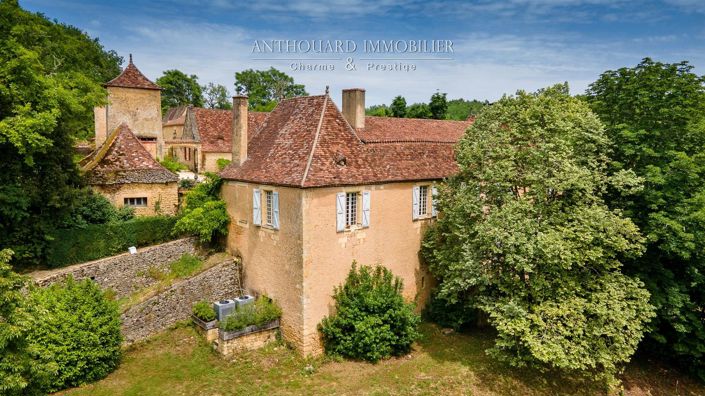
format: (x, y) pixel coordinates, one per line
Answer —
(365, 208)
(434, 194)
(275, 210)
(415, 193)
(340, 209)
(256, 207)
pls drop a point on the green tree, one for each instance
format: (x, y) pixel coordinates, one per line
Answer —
(418, 110)
(438, 106)
(655, 114)
(398, 107)
(179, 89)
(205, 214)
(50, 78)
(216, 96)
(22, 372)
(265, 88)
(526, 237)
(378, 111)
(461, 109)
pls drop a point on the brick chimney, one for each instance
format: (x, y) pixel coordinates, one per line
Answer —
(239, 129)
(354, 107)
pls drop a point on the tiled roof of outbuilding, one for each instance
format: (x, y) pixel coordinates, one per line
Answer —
(215, 128)
(392, 129)
(122, 159)
(132, 77)
(306, 142)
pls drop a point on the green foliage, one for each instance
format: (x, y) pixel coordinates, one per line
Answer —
(94, 241)
(51, 75)
(185, 266)
(179, 89)
(187, 183)
(216, 96)
(93, 208)
(371, 321)
(461, 109)
(259, 313)
(398, 107)
(526, 237)
(378, 111)
(418, 110)
(204, 310)
(79, 329)
(457, 315)
(265, 88)
(221, 163)
(172, 164)
(204, 214)
(23, 370)
(655, 114)
(438, 106)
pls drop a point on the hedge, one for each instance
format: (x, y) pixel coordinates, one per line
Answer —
(77, 245)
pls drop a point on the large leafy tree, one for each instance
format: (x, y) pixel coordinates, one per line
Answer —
(655, 114)
(50, 78)
(438, 106)
(216, 96)
(461, 109)
(525, 237)
(265, 88)
(179, 89)
(398, 107)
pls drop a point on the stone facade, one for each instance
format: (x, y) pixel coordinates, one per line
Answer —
(247, 342)
(125, 273)
(209, 161)
(299, 264)
(162, 198)
(175, 303)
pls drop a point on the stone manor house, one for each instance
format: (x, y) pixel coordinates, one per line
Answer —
(310, 188)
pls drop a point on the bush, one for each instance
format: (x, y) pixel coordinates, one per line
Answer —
(372, 320)
(259, 313)
(456, 315)
(79, 329)
(208, 223)
(172, 164)
(102, 240)
(187, 183)
(92, 208)
(204, 310)
(185, 266)
(222, 163)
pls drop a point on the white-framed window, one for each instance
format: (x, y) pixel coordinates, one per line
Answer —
(271, 208)
(136, 201)
(424, 196)
(353, 210)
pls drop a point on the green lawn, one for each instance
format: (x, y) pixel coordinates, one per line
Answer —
(179, 362)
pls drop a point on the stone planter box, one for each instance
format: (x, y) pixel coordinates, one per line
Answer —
(209, 330)
(249, 338)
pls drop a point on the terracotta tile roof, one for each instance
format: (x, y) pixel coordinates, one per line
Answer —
(132, 77)
(306, 142)
(175, 116)
(215, 128)
(122, 159)
(391, 129)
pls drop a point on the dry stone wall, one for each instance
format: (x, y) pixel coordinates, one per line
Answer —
(125, 273)
(174, 304)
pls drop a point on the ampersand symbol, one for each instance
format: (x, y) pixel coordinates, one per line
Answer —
(349, 65)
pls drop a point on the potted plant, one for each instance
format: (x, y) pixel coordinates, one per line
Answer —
(203, 315)
(259, 316)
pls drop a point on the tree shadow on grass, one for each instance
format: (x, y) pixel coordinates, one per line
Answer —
(494, 377)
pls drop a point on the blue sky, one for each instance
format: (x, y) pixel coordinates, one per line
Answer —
(499, 47)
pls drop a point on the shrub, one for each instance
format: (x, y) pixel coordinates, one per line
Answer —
(172, 164)
(92, 208)
(185, 266)
(259, 313)
(204, 310)
(102, 240)
(208, 222)
(372, 320)
(187, 183)
(79, 329)
(455, 315)
(222, 163)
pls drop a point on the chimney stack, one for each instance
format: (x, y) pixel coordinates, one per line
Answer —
(354, 107)
(239, 129)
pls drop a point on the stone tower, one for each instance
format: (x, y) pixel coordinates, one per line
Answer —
(136, 101)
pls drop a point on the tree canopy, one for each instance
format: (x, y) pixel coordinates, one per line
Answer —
(398, 107)
(438, 106)
(461, 109)
(50, 80)
(216, 96)
(265, 88)
(179, 89)
(526, 237)
(655, 115)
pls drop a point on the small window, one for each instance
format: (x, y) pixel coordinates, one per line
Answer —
(140, 201)
(423, 200)
(269, 209)
(350, 209)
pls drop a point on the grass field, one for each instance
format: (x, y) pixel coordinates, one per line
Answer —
(178, 362)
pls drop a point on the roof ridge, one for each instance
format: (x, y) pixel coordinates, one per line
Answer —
(315, 139)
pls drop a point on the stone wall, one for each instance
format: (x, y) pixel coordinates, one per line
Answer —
(174, 304)
(125, 273)
(246, 342)
(162, 198)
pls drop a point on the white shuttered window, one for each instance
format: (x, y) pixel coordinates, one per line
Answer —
(256, 207)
